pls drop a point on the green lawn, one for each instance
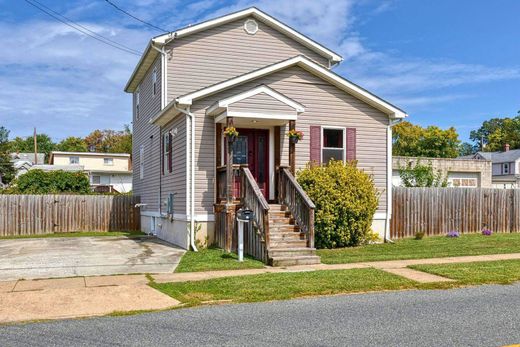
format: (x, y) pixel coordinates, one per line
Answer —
(78, 234)
(212, 259)
(501, 272)
(281, 286)
(429, 247)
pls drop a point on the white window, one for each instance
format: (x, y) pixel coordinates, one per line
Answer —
(464, 182)
(166, 153)
(154, 81)
(74, 160)
(108, 161)
(96, 179)
(505, 168)
(333, 146)
(137, 103)
(141, 161)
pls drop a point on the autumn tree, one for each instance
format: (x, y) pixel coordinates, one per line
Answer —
(110, 141)
(415, 141)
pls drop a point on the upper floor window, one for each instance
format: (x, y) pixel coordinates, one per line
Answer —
(74, 160)
(108, 161)
(333, 144)
(505, 168)
(154, 81)
(137, 103)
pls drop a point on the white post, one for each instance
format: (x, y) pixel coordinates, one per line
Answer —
(241, 240)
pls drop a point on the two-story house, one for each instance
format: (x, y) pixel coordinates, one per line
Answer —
(107, 172)
(506, 166)
(251, 72)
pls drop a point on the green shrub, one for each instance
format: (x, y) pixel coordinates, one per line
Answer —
(52, 182)
(346, 201)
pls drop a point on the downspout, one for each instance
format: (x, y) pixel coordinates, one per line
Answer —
(389, 172)
(191, 117)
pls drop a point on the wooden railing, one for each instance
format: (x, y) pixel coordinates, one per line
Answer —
(256, 237)
(222, 184)
(301, 206)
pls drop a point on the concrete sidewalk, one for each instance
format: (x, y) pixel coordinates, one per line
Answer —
(27, 300)
(78, 297)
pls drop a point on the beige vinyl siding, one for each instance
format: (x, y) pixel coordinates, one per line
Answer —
(217, 54)
(325, 105)
(175, 182)
(148, 135)
(262, 103)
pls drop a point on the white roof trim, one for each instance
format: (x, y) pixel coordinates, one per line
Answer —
(253, 11)
(308, 65)
(256, 115)
(221, 105)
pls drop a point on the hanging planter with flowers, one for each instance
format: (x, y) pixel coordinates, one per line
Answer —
(295, 135)
(231, 133)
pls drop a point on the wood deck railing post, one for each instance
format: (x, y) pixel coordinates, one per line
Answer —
(229, 167)
(292, 149)
(310, 240)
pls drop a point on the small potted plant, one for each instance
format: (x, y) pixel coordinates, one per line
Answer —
(295, 135)
(231, 133)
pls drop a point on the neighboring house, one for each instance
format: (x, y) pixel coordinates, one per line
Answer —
(506, 166)
(249, 70)
(23, 162)
(461, 173)
(108, 172)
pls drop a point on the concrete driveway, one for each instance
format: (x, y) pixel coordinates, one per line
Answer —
(85, 256)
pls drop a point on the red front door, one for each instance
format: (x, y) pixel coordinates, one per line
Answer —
(252, 148)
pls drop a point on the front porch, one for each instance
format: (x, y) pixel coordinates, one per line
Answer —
(250, 174)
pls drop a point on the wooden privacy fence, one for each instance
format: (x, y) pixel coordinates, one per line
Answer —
(45, 214)
(436, 211)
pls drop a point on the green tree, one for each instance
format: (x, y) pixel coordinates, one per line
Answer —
(415, 141)
(7, 170)
(26, 144)
(495, 133)
(421, 175)
(467, 148)
(72, 144)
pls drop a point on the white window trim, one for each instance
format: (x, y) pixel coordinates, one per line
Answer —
(504, 168)
(154, 82)
(344, 141)
(111, 163)
(165, 152)
(70, 160)
(141, 161)
(137, 101)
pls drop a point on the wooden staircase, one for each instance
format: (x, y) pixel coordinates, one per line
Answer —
(287, 243)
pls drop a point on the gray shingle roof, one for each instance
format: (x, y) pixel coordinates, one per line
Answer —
(501, 157)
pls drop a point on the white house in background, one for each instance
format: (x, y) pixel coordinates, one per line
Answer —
(23, 162)
(506, 166)
(460, 172)
(108, 172)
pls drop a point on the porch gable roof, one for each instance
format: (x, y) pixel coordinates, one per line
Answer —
(273, 96)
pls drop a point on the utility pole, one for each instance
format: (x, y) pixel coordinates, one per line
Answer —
(35, 148)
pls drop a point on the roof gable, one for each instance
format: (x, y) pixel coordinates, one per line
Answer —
(313, 68)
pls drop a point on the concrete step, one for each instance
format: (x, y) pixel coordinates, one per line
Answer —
(294, 260)
(291, 252)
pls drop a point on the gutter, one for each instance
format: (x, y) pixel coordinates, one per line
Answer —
(391, 123)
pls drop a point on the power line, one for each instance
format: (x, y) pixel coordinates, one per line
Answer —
(81, 28)
(134, 17)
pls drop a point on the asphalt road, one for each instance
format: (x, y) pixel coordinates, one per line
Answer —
(478, 316)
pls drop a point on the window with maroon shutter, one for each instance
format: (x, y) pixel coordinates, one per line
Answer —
(333, 144)
(351, 144)
(315, 141)
(170, 151)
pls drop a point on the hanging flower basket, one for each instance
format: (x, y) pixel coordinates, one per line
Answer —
(295, 135)
(231, 133)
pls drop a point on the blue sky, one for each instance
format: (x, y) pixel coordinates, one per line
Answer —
(447, 63)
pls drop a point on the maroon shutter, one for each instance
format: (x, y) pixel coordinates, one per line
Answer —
(315, 140)
(170, 150)
(351, 144)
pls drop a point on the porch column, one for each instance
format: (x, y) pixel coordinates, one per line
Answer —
(229, 167)
(292, 149)
(230, 192)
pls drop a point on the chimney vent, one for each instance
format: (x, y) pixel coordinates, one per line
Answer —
(506, 147)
